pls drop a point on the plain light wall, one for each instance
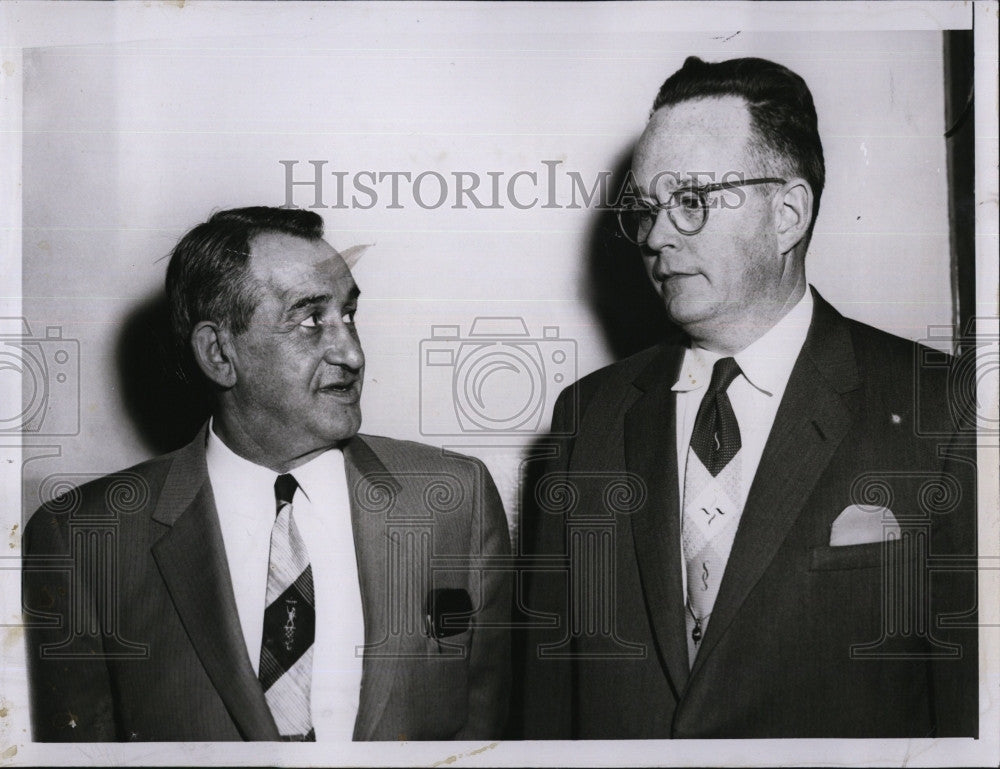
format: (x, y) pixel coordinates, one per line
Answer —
(127, 146)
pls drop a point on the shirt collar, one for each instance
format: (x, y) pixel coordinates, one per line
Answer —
(766, 364)
(238, 485)
(315, 476)
(236, 478)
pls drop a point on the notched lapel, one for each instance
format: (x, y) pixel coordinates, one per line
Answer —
(651, 453)
(192, 560)
(373, 492)
(811, 422)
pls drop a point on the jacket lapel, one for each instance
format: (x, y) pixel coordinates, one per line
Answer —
(651, 453)
(373, 491)
(192, 560)
(811, 422)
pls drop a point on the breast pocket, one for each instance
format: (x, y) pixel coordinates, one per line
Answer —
(453, 645)
(871, 555)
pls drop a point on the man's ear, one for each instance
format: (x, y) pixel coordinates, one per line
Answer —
(793, 210)
(213, 352)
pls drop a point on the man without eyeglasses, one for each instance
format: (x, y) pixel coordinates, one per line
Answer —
(773, 579)
(273, 579)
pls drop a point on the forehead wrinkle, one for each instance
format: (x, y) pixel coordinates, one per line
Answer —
(285, 276)
(296, 273)
(311, 300)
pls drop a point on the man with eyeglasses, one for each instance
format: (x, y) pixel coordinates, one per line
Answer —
(770, 575)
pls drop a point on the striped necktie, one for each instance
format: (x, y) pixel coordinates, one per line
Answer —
(286, 653)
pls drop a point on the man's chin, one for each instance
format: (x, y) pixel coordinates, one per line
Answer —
(345, 427)
(689, 311)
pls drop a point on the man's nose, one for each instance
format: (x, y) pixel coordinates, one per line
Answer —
(663, 234)
(343, 348)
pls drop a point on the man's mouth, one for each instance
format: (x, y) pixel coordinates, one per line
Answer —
(347, 388)
(673, 277)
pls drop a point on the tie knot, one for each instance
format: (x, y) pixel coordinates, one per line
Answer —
(723, 374)
(284, 489)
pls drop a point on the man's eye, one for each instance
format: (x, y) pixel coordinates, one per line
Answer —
(688, 199)
(313, 321)
(348, 316)
(642, 210)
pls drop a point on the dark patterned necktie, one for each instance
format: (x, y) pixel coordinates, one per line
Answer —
(716, 436)
(286, 653)
(712, 500)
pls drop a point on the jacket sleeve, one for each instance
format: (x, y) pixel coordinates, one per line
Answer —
(489, 655)
(543, 703)
(70, 688)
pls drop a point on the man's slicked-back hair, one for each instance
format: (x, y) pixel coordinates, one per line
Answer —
(208, 277)
(782, 113)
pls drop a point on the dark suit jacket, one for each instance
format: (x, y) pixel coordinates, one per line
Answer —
(134, 629)
(805, 639)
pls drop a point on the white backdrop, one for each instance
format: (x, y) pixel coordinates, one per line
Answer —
(126, 146)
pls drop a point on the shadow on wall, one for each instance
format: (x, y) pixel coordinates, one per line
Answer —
(166, 410)
(624, 303)
(631, 317)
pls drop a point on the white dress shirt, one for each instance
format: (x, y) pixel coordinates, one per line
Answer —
(244, 498)
(755, 395)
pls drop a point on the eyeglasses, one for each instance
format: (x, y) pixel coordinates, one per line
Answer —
(687, 208)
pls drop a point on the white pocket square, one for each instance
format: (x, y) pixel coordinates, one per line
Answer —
(862, 525)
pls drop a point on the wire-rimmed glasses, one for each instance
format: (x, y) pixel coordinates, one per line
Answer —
(687, 208)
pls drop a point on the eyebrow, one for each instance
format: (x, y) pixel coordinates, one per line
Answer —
(688, 183)
(309, 301)
(315, 299)
(646, 197)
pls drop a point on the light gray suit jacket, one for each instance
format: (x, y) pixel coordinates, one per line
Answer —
(134, 633)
